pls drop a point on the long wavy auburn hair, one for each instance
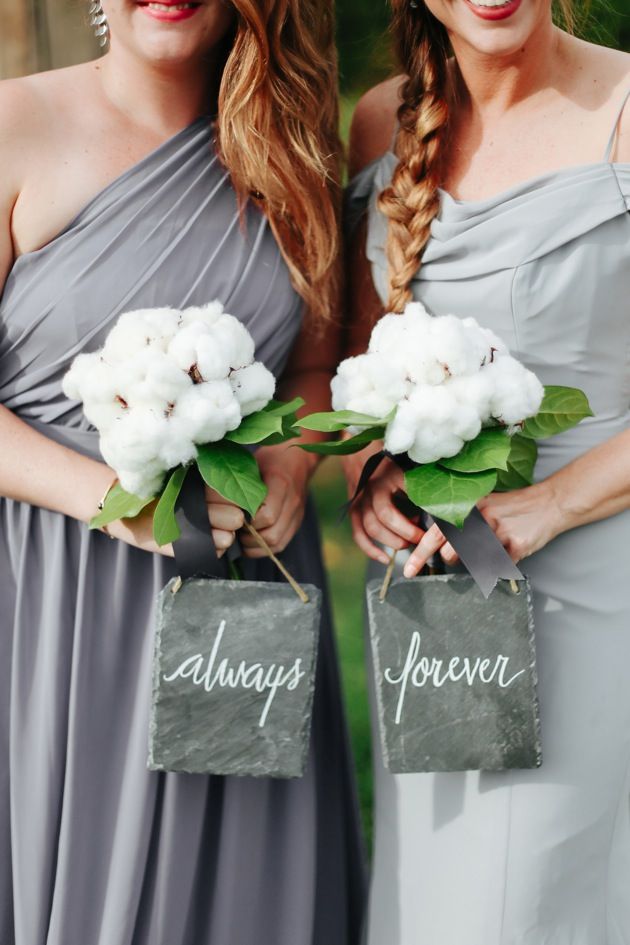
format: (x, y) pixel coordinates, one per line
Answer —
(278, 134)
(411, 201)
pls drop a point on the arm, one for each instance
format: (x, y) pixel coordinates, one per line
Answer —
(33, 468)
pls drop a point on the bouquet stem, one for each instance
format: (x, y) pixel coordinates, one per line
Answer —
(387, 580)
(301, 593)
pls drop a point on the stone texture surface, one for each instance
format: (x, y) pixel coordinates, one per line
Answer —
(449, 723)
(204, 728)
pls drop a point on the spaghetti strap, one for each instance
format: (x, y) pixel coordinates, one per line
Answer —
(615, 128)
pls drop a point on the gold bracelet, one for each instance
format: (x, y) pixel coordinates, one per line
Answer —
(101, 506)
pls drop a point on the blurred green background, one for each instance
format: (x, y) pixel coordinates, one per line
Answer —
(365, 59)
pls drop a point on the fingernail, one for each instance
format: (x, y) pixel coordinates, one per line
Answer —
(408, 571)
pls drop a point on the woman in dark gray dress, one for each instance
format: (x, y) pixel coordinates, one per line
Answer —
(95, 849)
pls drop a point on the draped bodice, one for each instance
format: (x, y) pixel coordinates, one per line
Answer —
(545, 264)
(167, 232)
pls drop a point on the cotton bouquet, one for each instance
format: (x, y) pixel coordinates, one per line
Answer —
(170, 389)
(453, 407)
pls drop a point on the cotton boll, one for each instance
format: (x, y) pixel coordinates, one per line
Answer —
(433, 444)
(350, 381)
(517, 392)
(145, 483)
(253, 386)
(153, 379)
(207, 314)
(235, 340)
(178, 447)
(163, 323)
(370, 384)
(89, 378)
(103, 416)
(137, 330)
(207, 411)
(466, 422)
(135, 440)
(183, 347)
(400, 434)
(213, 360)
(460, 349)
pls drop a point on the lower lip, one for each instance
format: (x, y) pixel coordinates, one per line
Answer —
(169, 16)
(495, 13)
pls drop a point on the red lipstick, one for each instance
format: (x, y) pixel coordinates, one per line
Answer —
(501, 12)
(169, 11)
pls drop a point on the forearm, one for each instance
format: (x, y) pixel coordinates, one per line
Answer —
(594, 486)
(37, 470)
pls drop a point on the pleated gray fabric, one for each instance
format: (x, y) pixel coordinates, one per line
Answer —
(534, 857)
(94, 848)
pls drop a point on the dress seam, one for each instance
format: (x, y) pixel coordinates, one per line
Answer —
(513, 307)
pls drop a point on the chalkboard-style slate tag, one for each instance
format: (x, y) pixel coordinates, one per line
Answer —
(455, 675)
(233, 678)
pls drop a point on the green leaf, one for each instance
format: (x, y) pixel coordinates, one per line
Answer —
(279, 408)
(335, 420)
(445, 493)
(344, 447)
(489, 450)
(165, 527)
(561, 409)
(256, 428)
(521, 463)
(233, 472)
(119, 504)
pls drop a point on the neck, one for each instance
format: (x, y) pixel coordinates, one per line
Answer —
(162, 98)
(489, 84)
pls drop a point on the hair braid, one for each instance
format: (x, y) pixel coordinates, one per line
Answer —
(411, 201)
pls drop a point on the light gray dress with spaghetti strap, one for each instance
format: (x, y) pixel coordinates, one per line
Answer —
(537, 857)
(94, 848)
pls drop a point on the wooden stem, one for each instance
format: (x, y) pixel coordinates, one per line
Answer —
(301, 593)
(387, 580)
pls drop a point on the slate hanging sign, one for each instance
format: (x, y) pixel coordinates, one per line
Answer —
(455, 675)
(233, 678)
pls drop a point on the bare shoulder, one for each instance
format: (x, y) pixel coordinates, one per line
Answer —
(32, 110)
(605, 74)
(374, 123)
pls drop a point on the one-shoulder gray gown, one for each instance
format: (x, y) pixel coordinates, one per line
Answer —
(536, 857)
(94, 848)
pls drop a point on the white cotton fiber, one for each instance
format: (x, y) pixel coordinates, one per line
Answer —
(253, 387)
(165, 382)
(444, 377)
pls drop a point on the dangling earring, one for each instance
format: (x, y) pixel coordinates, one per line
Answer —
(414, 4)
(99, 20)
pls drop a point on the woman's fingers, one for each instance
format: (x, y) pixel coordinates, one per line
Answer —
(379, 532)
(431, 542)
(392, 518)
(224, 517)
(449, 555)
(222, 540)
(363, 541)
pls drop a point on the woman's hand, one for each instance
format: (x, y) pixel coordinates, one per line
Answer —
(286, 472)
(224, 517)
(524, 521)
(374, 516)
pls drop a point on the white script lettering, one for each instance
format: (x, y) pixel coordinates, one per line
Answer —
(421, 670)
(209, 674)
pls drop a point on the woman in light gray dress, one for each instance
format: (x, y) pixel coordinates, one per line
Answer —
(505, 197)
(94, 848)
